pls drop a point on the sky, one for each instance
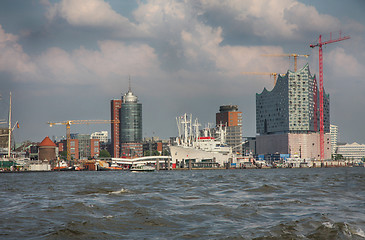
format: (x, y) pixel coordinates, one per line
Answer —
(66, 59)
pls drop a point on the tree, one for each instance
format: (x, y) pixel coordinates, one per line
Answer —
(63, 154)
(104, 154)
(147, 153)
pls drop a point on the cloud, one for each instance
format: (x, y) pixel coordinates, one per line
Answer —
(269, 20)
(12, 58)
(91, 13)
(343, 64)
(111, 62)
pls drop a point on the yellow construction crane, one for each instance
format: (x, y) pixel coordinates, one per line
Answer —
(294, 55)
(68, 124)
(263, 73)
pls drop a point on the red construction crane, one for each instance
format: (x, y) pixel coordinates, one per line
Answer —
(319, 45)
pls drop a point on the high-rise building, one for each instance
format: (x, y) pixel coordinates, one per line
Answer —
(126, 132)
(287, 117)
(334, 135)
(231, 118)
(131, 126)
(115, 106)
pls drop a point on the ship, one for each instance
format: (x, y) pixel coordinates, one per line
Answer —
(195, 148)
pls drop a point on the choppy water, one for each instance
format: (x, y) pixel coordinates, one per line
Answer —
(209, 204)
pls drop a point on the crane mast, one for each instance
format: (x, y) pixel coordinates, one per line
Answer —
(68, 129)
(320, 54)
(294, 55)
(263, 73)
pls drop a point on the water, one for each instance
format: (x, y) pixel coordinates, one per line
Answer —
(209, 204)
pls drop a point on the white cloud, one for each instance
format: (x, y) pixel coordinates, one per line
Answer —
(343, 64)
(12, 57)
(90, 13)
(111, 62)
(271, 19)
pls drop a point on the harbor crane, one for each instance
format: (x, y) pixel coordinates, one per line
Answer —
(263, 73)
(68, 124)
(294, 55)
(319, 45)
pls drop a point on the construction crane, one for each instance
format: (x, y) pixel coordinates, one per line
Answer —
(263, 73)
(319, 45)
(294, 55)
(68, 124)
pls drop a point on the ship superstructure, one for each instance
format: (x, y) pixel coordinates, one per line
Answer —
(199, 146)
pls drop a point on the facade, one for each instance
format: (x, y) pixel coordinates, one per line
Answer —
(287, 117)
(151, 145)
(334, 138)
(249, 146)
(353, 151)
(231, 118)
(74, 148)
(115, 106)
(84, 145)
(94, 148)
(88, 148)
(131, 150)
(102, 136)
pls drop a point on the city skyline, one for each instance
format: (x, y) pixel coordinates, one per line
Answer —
(61, 64)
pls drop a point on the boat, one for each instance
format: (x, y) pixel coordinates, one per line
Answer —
(197, 148)
(104, 166)
(142, 168)
(63, 166)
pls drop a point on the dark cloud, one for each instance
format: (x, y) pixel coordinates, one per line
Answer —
(182, 57)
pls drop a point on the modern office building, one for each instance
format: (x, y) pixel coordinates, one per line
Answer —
(126, 135)
(353, 151)
(131, 126)
(334, 138)
(102, 136)
(231, 118)
(287, 117)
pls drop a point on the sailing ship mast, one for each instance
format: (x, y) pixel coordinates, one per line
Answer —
(9, 140)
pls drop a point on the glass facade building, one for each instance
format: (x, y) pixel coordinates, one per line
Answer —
(292, 106)
(130, 119)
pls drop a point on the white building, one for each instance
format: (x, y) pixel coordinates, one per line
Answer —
(353, 151)
(334, 135)
(102, 136)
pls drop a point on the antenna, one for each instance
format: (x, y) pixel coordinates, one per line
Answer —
(130, 86)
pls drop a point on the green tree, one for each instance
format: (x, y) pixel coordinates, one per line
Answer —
(155, 153)
(104, 154)
(63, 154)
(147, 153)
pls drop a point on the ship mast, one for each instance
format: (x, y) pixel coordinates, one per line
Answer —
(9, 140)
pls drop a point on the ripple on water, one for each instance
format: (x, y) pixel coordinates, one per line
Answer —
(222, 204)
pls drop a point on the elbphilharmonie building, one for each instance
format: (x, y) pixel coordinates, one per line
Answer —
(287, 117)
